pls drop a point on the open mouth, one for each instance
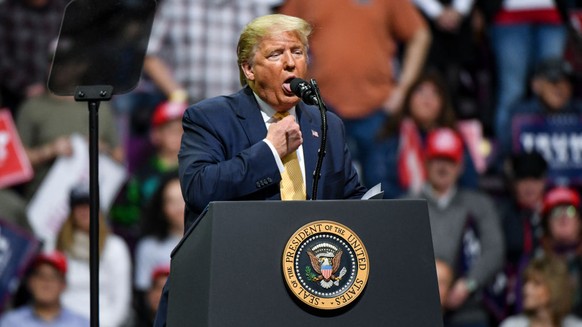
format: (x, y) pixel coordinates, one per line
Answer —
(287, 87)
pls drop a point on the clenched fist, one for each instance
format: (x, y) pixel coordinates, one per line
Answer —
(285, 135)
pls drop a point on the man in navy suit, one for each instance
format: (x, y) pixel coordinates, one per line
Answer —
(233, 146)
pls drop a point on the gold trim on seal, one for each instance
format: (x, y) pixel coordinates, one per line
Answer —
(333, 300)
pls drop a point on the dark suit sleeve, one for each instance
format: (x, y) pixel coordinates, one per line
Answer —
(352, 189)
(218, 163)
(490, 261)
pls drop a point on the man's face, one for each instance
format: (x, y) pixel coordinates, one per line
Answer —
(564, 225)
(442, 173)
(529, 192)
(278, 59)
(155, 292)
(168, 136)
(46, 284)
(554, 94)
(536, 294)
(426, 104)
(81, 216)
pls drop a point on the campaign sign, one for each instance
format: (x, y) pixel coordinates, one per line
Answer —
(14, 165)
(557, 137)
(17, 249)
(49, 207)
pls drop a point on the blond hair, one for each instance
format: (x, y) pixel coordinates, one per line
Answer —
(65, 238)
(260, 27)
(554, 274)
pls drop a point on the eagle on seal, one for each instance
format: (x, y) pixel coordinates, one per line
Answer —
(325, 267)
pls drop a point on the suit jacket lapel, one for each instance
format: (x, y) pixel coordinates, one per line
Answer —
(311, 140)
(247, 109)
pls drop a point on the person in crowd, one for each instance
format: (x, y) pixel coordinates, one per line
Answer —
(563, 235)
(522, 33)
(546, 296)
(46, 123)
(190, 57)
(190, 53)
(27, 28)
(13, 208)
(165, 134)
(552, 95)
(397, 160)
(366, 90)
(46, 282)
(453, 50)
(244, 147)
(163, 227)
(448, 21)
(114, 264)
(465, 229)
(158, 279)
(521, 219)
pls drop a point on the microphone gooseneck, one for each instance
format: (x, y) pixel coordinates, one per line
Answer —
(323, 142)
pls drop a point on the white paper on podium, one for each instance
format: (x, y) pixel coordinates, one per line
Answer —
(49, 207)
(375, 192)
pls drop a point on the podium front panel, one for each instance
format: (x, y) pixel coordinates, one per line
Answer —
(227, 271)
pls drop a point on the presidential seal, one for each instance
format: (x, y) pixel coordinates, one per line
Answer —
(325, 265)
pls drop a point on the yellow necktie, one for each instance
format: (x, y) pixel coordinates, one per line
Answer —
(292, 187)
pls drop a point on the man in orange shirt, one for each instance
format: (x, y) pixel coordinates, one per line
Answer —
(352, 58)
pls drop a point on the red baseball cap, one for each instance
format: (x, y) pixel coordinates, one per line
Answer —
(560, 196)
(55, 259)
(168, 111)
(444, 143)
(161, 270)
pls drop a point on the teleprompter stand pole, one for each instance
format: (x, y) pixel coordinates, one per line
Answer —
(93, 95)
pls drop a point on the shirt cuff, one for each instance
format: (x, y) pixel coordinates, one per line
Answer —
(472, 284)
(275, 155)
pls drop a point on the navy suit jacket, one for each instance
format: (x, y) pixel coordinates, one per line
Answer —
(223, 157)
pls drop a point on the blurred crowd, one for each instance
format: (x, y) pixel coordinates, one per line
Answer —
(473, 105)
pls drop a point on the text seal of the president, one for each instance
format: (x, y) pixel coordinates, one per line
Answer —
(325, 265)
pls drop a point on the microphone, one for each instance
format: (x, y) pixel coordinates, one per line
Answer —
(303, 90)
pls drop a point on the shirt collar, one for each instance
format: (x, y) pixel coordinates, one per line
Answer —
(268, 112)
(442, 201)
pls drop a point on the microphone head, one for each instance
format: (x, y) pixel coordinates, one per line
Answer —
(298, 86)
(303, 90)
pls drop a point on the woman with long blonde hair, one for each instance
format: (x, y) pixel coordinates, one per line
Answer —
(114, 264)
(547, 296)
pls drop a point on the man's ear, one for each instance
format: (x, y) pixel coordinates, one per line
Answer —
(248, 71)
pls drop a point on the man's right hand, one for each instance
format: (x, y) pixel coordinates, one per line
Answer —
(285, 135)
(62, 146)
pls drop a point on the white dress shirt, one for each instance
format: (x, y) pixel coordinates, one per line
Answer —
(267, 112)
